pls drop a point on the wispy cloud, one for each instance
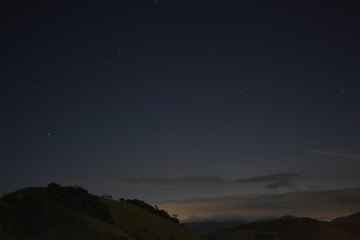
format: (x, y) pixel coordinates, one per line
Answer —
(284, 180)
(171, 181)
(282, 184)
(353, 156)
(270, 178)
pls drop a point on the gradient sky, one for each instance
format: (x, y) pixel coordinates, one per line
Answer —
(119, 96)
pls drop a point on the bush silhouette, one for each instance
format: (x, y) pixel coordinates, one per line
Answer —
(79, 199)
(154, 210)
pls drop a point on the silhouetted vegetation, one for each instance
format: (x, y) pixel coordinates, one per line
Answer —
(35, 215)
(107, 196)
(10, 198)
(57, 213)
(79, 199)
(154, 210)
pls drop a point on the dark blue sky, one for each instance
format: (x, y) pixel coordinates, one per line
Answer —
(98, 93)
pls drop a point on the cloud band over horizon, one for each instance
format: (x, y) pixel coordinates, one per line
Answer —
(353, 156)
(271, 181)
(323, 205)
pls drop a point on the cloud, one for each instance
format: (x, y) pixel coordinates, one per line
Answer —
(171, 181)
(281, 184)
(323, 205)
(285, 180)
(270, 178)
(353, 156)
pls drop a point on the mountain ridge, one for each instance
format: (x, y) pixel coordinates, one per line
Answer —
(293, 228)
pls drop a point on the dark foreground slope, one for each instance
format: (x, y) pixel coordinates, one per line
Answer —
(350, 223)
(286, 229)
(204, 228)
(70, 213)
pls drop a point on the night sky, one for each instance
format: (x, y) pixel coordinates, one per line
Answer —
(163, 100)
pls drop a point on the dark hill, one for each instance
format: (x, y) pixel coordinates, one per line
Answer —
(209, 227)
(33, 214)
(350, 223)
(286, 229)
(70, 213)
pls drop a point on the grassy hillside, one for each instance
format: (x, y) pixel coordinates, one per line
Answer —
(72, 213)
(145, 225)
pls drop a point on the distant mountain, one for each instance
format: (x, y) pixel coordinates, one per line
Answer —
(72, 213)
(203, 228)
(286, 228)
(284, 218)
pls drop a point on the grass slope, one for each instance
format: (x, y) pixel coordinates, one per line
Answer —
(144, 225)
(104, 228)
